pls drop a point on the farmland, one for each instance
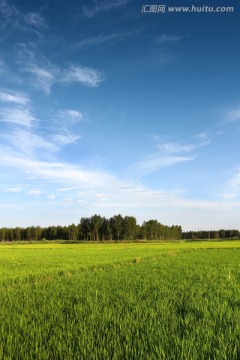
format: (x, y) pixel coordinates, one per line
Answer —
(120, 301)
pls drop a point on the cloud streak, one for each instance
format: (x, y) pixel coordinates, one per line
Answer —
(70, 116)
(65, 139)
(234, 115)
(15, 97)
(169, 154)
(166, 39)
(158, 162)
(103, 6)
(83, 75)
(18, 116)
(16, 20)
(102, 39)
(43, 78)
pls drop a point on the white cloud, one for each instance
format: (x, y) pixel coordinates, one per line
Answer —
(103, 193)
(51, 196)
(235, 179)
(201, 136)
(70, 116)
(157, 162)
(170, 148)
(175, 148)
(168, 154)
(103, 6)
(234, 115)
(68, 188)
(101, 39)
(9, 13)
(27, 142)
(43, 78)
(17, 116)
(68, 201)
(17, 20)
(231, 190)
(34, 192)
(34, 19)
(53, 170)
(13, 189)
(162, 39)
(13, 97)
(84, 75)
(65, 139)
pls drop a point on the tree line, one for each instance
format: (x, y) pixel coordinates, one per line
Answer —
(211, 235)
(96, 228)
(117, 228)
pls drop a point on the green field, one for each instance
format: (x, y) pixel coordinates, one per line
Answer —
(120, 301)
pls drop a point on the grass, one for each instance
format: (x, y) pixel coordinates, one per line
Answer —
(120, 301)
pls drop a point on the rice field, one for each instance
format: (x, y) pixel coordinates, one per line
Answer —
(120, 301)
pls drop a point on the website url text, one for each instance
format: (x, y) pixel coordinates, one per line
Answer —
(186, 9)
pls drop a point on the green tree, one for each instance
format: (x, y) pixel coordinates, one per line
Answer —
(105, 229)
(129, 227)
(116, 223)
(72, 232)
(85, 225)
(96, 222)
(152, 227)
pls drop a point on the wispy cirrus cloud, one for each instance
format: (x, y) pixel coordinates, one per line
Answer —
(21, 133)
(28, 143)
(104, 38)
(156, 162)
(169, 154)
(102, 6)
(65, 138)
(69, 116)
(166, 39)
(233, 115)
(171, 148)
(44, 76)
(56, 171)
(11, 17)
(97, 191)
(34, 19)
(34, 192)
(8, 13)
(10, 96)
(17, 115)
(15, 189)
(231, 189)
(234, 181)
(84, 75)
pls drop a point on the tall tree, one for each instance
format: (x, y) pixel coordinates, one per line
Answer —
(96, 222)
(129, 227)
(116, 223)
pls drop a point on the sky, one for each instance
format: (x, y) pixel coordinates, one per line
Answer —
(111, 107)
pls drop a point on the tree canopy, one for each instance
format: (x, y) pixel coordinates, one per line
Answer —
(96, 228)
(117, 228)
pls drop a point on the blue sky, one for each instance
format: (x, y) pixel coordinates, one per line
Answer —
(107, 109)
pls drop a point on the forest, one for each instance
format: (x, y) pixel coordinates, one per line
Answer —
(211, 235)
(117, 228)
(95, 228)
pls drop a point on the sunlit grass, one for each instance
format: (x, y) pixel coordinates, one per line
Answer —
(120, 301)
